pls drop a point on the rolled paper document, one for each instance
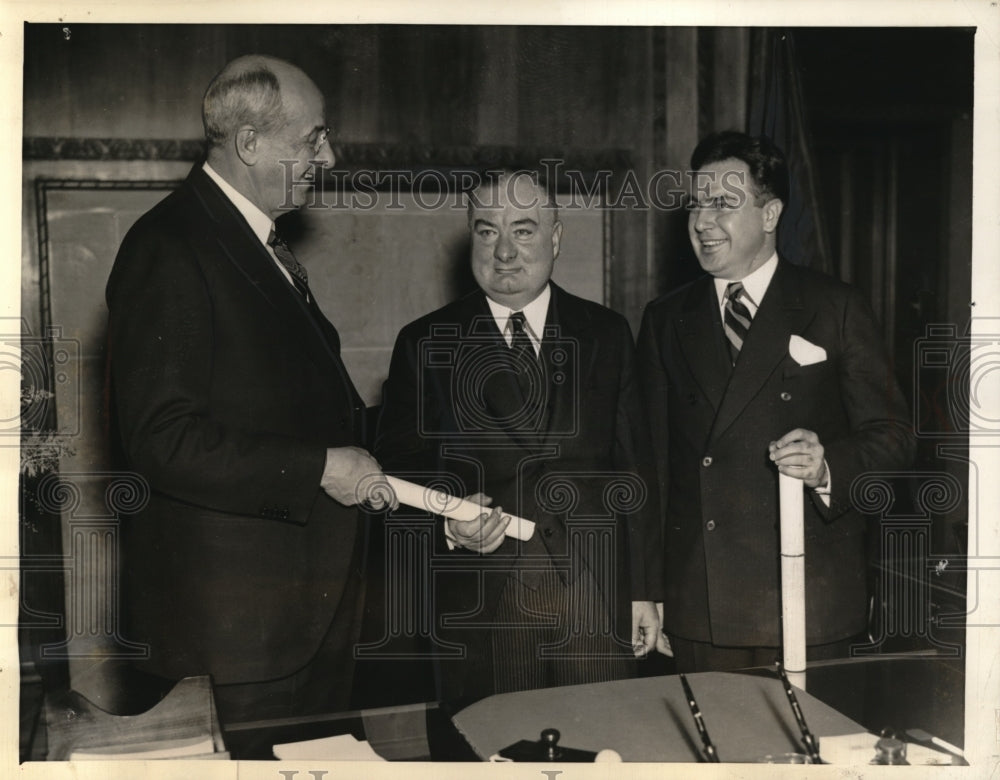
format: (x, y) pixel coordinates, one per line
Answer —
(440, 503)
(793, 579)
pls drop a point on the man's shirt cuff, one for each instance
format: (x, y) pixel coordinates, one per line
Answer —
(452, 544)
(824, 492)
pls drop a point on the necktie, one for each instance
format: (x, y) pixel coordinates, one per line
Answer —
(520, 340)
(300, 279)
(522, 351)
(736, 320)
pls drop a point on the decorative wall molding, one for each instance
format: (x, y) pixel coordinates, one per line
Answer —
(104, 149)
(415, 156)
(351, 157)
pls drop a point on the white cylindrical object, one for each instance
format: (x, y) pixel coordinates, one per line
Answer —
(440, 503)
(793, 579)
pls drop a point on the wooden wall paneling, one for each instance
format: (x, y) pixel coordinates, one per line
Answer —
(730, 77)
(350, 76)
(955, 274)
(118, 81)
(846, 216)
(627, 287)
(890, 259)
(877, 237)
(498, 75)
(953, 305)
(682, 97)
(403, 89)
(562, 78)
(630, 230)
(302, 45)
(675, 263)
(449, 85)
(634, 123)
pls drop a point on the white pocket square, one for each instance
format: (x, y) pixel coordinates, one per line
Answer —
(805, 353)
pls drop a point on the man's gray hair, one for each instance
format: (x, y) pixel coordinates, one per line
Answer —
(245, 92)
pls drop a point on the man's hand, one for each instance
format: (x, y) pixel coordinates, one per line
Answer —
(645, 627)
(662, 643)
(484, 534)
(352, 476)
(799, 454)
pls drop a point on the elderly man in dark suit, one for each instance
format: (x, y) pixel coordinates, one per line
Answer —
(231, 400)
(523, 395)
(757, 368)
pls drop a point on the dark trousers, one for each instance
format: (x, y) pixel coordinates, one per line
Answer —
(555, 634)
(322, 685)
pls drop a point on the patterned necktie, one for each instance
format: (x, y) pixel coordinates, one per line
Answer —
(300, 279)
(736, 320)
(520, 340)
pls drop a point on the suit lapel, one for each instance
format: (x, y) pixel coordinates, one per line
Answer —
(568, 356)
(781, 313)
(237, 242)
(702, 342)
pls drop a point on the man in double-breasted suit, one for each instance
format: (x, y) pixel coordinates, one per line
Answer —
(757, 368)
(523, 396)
(230, 398)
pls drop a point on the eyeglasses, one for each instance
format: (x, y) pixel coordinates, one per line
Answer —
(718, 203)
(321, 139)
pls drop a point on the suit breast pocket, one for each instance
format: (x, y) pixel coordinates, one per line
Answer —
(809, 396)
(793, 370)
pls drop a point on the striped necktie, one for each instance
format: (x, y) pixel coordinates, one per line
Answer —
(736, 320)
(300, 279)
(523, 352)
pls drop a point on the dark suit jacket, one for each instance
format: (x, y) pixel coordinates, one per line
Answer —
(452, 413)
(227, 390)
(712, 430)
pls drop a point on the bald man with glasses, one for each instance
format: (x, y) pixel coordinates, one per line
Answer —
(230, 398)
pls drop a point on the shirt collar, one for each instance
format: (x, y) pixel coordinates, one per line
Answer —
(755, 284)
(534, 314)
(259, 222)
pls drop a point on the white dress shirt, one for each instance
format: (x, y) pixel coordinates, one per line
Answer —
(259, 222)
(754, 286)
(534, 315)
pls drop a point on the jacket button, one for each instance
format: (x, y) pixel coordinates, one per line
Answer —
(706, 461)
(710, 525)
(786, 396)
(548, 533)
